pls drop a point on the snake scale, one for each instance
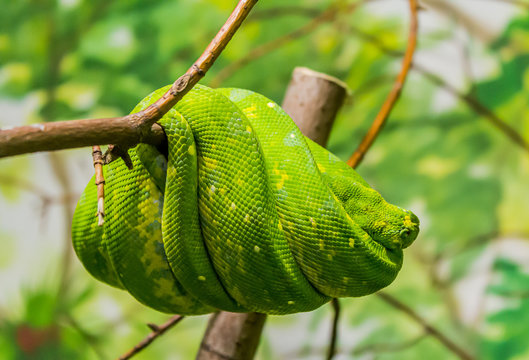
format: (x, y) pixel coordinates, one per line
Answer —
(240, 213)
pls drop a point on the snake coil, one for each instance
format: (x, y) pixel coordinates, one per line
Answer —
(243, 213)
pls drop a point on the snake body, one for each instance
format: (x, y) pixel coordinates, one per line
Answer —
(243, 213)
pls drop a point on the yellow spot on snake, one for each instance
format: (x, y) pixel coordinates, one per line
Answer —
(150, 259)
(247, 218)
(222, 191)
(279, 226)
(329, 256)
(249, 111)
(164, 288)
(232, 207)
(352, 242)
(321, 244)
(240, 182)
(321, 168)
(249, 128)
(313, 223)
(256, 248)
(284, 177)
(171, 172)
(290, 302)
(202, 278)
(212, 189)
(407, 221)
(191, 150)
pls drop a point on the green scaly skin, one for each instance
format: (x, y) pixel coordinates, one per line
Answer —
(244, 214)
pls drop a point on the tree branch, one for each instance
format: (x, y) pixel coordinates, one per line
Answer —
(292, 10)
(331, 351)
(389, 347)
(394, 94)
(327, 15)
(231, 336)
(128, 130)
(470, 100)
(97, 155)
(430, 329)
(157, 330)
(72, 134)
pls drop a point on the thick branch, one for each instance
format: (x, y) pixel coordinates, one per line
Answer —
(315, 98)
(72, 134)
(393, 96)
(127, 130)
(231, 336)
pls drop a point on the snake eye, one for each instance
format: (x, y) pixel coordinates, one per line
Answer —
(404, 233)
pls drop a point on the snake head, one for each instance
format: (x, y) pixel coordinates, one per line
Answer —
(393, 227)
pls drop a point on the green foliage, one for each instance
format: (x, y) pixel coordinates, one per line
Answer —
(465, 179)
(510, 324)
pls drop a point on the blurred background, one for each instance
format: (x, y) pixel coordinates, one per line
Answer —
(444, 154)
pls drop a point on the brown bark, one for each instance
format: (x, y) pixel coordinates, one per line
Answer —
(231, 336)
(72, 134)
(312, 100)
(127, 130)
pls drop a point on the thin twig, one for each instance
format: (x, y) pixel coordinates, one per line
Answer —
(97, 155)
(389, 347)
(144, 119)
(477, 106)
(375, 129)
(515, 2)
(394, 94)
(273, 13)
(368, 140)
(157, 331)
(327, 15)
(430, 329)
(334, 330)
(470, 100)
(127, 130)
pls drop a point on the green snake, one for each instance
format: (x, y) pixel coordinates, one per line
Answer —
(240, 213)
